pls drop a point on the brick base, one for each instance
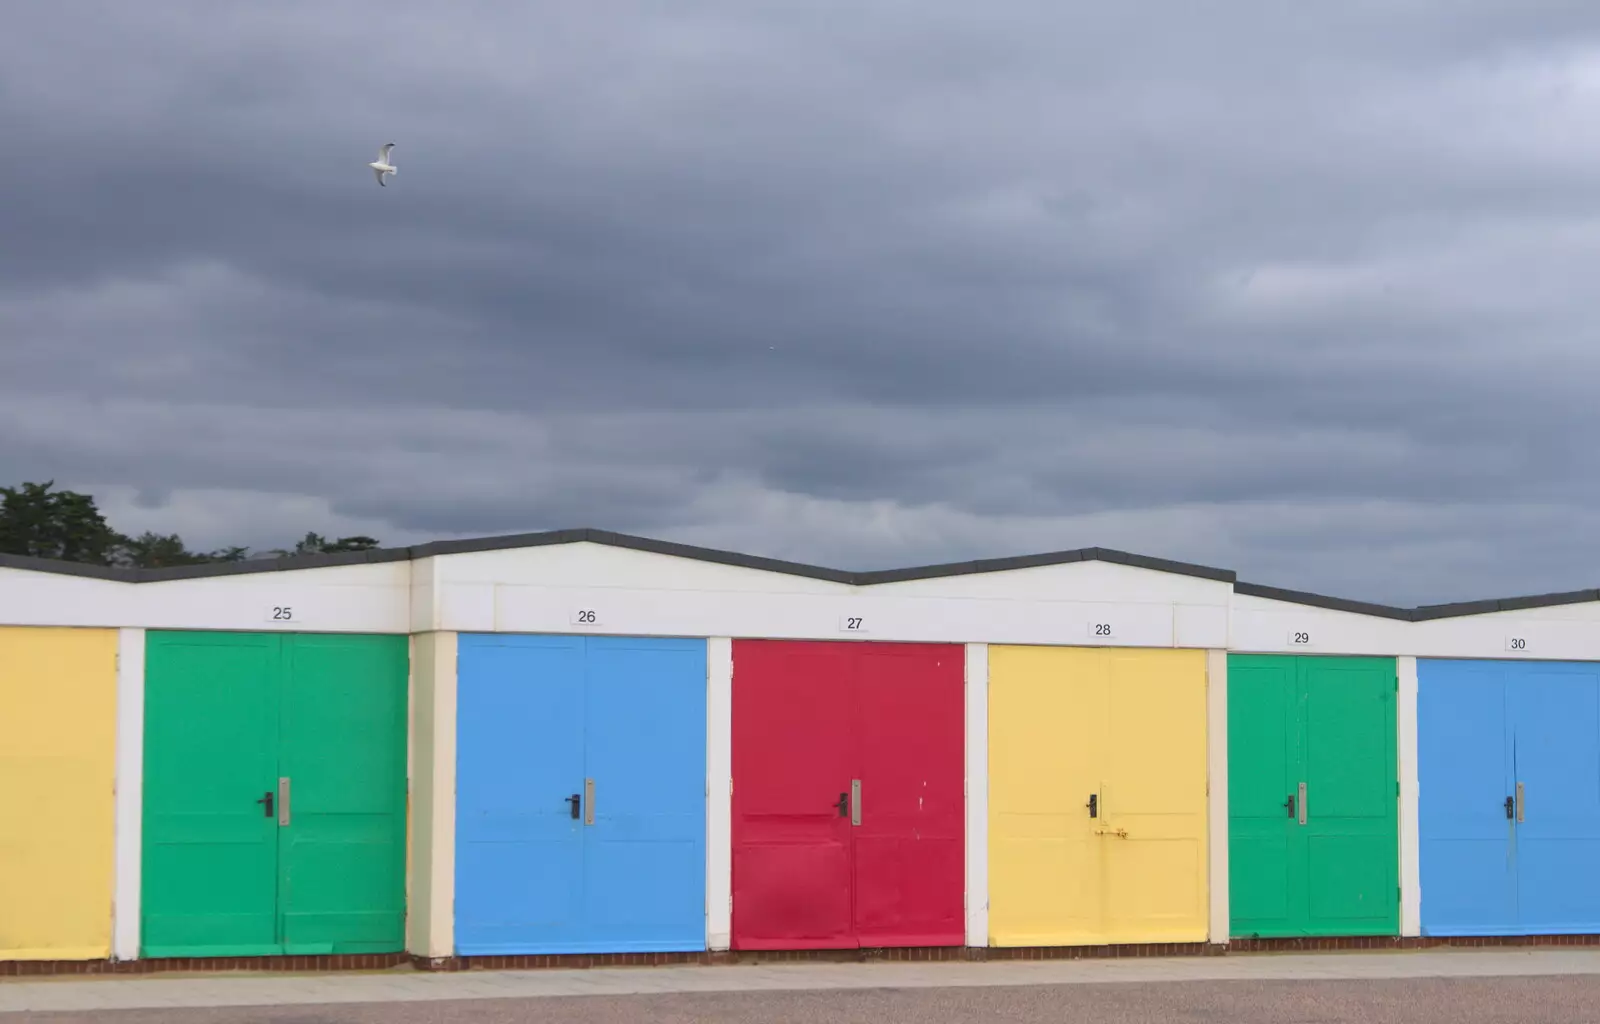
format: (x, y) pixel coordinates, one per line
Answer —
(387, 961)
(378, 962)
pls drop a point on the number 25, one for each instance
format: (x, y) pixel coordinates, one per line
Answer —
(282, 614)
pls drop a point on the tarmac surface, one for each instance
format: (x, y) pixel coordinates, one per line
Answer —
(1467, 987)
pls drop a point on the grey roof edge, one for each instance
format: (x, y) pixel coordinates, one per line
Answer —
(1504, 604)
(1337, 604)
(731, 558)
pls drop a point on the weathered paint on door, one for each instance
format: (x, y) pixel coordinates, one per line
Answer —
(58, 699)
(848, 806)
(581, 780)
(1097, 796)
(1322, 860)
(274, 794)
(1489, 733)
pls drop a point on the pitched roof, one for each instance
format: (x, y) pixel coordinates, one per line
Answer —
(859, 579)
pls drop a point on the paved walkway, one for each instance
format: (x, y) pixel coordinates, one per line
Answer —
(404, 985)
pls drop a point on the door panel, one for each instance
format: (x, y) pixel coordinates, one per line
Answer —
(1048, 713)
(1351, 802)
(645, 739)
(909, 850)
(792, 744)
(1155, 879)
(1555, 717)
(519, 756)
(58, 701)
(1464, 772)
(342, 746)
(210, 860)
(1264, 845)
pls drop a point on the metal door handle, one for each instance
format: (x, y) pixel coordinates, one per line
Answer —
(588, 801)
(843, 804)
(266, 801)
(574, 800)
(855, 801)
(1094, 805)
(1289, 805)
(283, 801)
(1522, 809)
(1511, 803)
(1302, 803)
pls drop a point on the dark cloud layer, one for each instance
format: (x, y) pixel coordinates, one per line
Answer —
(1306, 292)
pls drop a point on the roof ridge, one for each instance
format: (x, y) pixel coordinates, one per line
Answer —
(863, 578)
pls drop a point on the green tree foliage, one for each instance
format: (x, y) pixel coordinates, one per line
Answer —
(317, 544)
(40, 522)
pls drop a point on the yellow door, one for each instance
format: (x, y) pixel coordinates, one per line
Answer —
(1127, 726)
(58, 696)
(1047, 712)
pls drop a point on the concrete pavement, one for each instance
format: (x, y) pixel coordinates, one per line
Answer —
(168, 992)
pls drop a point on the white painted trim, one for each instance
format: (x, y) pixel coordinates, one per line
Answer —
(1217, 791)
(129, 836)
(430, 921)
(977, 770)
(1410, 846)
(719, 792)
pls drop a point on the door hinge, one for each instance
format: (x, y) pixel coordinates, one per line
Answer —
(1397, 789)
(730, 904)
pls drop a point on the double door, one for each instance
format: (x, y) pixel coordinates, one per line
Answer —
(1097, 796)
(1508, 760)
(848, 809)
(580, 795)
(1313, 799)
(274, 794)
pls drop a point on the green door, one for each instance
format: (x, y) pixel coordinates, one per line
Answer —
(210, 883)
(342, 857)
(316, 723)
(1322, 860)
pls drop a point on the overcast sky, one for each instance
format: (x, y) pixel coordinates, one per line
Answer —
(1308, 291)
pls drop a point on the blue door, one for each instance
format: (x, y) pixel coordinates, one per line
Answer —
(580, 795)
(1464, 771)
(1555, 719)
(1509, 797)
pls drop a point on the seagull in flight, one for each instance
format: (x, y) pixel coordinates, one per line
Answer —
(381, 166)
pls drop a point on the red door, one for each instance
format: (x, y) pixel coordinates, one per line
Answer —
(848, 812)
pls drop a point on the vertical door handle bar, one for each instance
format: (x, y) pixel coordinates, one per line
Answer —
(1302, 803)
(588, 801)
(855, 801)
(1521, 808)
(283, 800)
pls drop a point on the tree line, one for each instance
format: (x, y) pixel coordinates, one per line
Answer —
(38, 521)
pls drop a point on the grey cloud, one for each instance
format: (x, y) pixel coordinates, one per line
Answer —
(1302, 292)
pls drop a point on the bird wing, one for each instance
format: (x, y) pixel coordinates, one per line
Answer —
(383, 152)
(379, 173)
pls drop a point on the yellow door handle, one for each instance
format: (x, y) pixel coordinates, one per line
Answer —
(1119, 832)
